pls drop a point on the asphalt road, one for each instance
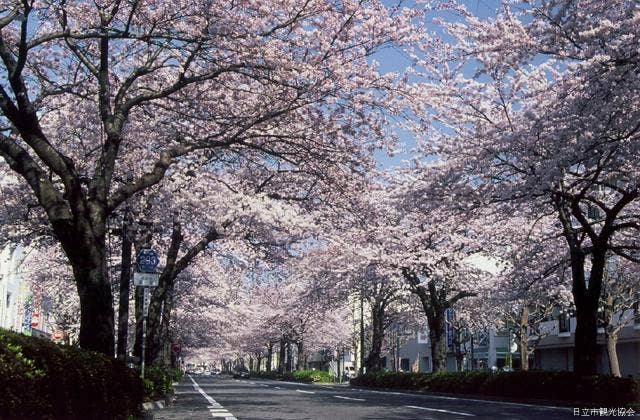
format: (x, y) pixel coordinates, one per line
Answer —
(207, 397)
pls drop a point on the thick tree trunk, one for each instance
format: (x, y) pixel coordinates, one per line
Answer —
(586, 347)
(523, 336)
(96, 314)
(586, 300)
(438, 342)
(373, 360)
(585, 296)
(96, 299)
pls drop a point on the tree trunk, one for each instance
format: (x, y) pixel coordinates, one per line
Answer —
(281, 355)
(586, 300)
(586, 347)
(269, 356)
(610, 334)
(96, 301)
(289, 364)
(438, 342)
(523, 336)
(300, 361)
(373, 362)
(614, 365)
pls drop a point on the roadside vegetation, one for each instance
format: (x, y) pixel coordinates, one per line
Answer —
(43, 380)
(307, 376)
(557, 387)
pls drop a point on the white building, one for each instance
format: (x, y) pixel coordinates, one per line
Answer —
(21, 310)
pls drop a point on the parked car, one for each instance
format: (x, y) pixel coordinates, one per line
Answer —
(240, 372)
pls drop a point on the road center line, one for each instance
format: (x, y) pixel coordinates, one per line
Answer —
(305, 392)
(215, 409)
(441, 411)
(348, 398)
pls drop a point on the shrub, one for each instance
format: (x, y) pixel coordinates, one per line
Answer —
(40, 379)
(297, 375)
(158, 381)
(312, 376)
(567, 387)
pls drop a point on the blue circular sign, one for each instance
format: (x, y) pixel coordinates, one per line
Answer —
(147, 260)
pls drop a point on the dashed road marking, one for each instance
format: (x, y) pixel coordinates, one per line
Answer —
(348, 398)
(441, 411)
(215, 409)
(305, 392)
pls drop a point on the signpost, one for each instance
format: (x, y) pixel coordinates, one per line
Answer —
(146, 277)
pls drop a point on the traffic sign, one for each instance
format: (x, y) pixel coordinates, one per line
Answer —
(146, 279)
(147, 260)
(58, 335)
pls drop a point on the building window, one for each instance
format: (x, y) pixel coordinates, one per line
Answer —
(404, 364)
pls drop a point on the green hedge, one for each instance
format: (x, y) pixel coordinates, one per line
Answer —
(40, 379)
(552, 386)
(297, 375)
(158, 381)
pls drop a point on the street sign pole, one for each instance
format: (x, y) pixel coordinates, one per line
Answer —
(144, 341)
(145, 312)
(146, 277)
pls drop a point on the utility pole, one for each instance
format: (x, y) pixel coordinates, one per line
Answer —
(125, 286)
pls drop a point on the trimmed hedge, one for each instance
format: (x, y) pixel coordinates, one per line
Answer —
(40, 379)
(297, 375)
(552, 386)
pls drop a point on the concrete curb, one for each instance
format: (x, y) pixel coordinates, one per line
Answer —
(153, 405)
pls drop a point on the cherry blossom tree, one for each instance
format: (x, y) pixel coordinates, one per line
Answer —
(547, 123)
(93, 93)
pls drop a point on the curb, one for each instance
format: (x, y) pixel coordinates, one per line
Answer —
(153, 405)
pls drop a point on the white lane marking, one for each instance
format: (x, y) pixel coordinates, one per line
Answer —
(441, 411)
(277, 387)
(442, 397)
(348, 398)
(305, 392)
(215, 408)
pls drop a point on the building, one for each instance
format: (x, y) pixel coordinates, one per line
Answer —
(21, 309)
(554, 350)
